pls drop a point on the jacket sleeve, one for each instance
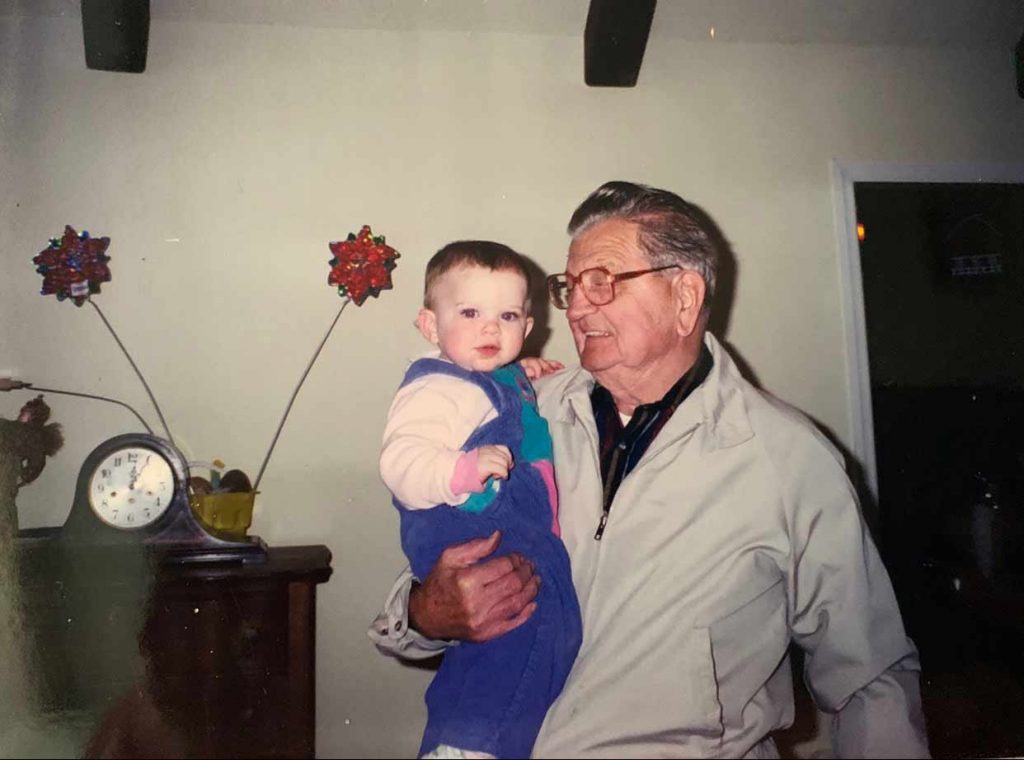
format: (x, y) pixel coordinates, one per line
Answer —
(884, 719)
(390, 630)
(429, 421)
(859, 664)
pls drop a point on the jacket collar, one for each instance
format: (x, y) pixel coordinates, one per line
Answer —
(722, 396)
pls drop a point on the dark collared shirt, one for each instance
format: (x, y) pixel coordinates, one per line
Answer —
(622, 447)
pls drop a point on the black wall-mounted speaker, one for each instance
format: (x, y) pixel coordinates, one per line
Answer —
(614, 41)
(116, 34)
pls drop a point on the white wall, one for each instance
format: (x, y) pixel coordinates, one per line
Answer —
(222, 172)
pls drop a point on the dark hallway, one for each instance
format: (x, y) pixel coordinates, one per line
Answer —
(943, 274)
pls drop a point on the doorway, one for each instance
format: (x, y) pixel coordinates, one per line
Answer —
(941, 277)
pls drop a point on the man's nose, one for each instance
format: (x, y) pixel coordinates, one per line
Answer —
(579, 304)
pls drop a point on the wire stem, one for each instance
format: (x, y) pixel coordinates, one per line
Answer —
(137, 371)
(295, 393)
(31, 387)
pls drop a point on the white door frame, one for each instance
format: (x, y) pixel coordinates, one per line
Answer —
(851, 286)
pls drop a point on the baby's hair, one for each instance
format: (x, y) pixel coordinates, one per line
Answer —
(473, 253)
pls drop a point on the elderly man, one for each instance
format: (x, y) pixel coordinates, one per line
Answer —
(709, 526)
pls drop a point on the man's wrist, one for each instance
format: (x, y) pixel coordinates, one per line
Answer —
(391, 632)
(411, 605)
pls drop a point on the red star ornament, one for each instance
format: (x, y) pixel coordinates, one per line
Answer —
(361, 265)
(73, 266)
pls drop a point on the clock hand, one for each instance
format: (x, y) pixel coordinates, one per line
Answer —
(136, 474)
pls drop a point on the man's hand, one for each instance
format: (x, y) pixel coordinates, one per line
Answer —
(536, 367)
(468, 600)
(493, 461)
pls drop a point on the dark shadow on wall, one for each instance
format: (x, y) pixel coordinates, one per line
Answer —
(725, 292)
(541, 312)
(725, 284)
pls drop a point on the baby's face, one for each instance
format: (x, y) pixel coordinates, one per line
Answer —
(479, 318)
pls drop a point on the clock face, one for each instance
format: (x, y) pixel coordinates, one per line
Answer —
(131, 488)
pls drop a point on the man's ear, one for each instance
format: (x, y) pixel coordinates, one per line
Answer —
(688, 288)
(426, 323)
(529, 327)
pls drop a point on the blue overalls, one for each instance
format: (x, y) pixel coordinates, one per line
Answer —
(492, 697)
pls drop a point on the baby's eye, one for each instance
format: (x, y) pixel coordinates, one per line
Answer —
(510, 316)
(468, 313)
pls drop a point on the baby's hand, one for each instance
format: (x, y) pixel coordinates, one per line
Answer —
(493, 461)
(535, 367)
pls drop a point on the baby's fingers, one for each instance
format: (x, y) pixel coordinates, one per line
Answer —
(536, 367)
(494, 461)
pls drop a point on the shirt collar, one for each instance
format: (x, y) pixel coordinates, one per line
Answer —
(601, 398)
(721, 403)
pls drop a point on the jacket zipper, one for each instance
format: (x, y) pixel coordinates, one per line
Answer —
(605, 496)
(606, 511)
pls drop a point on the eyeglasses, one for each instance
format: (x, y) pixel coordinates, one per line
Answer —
(598, 284)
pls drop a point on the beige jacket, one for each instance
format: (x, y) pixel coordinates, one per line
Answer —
(737, 533)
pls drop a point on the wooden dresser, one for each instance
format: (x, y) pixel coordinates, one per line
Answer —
(175, 660)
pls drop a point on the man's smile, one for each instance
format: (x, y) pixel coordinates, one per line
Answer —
(592, 332)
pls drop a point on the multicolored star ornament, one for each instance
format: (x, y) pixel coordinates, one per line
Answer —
(361, 265)
(73, 266)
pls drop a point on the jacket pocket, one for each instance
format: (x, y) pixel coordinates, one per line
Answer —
(747, 647)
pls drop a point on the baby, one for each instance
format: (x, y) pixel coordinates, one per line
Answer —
(465, 453)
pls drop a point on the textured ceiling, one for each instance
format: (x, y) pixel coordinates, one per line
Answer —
(956, 23)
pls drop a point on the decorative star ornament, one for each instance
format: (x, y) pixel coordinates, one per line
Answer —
(73, 266)
(361, 265)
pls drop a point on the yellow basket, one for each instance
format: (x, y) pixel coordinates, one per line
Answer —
(229, 513)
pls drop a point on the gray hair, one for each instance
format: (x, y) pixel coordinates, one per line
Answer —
(671, 231)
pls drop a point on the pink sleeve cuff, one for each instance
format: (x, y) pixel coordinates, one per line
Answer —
(466, 479)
